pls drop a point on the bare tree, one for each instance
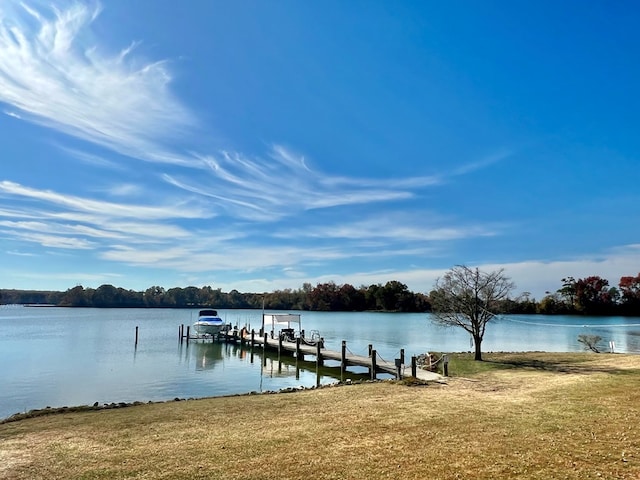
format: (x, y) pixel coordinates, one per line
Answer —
(467, 298)
(590, 342)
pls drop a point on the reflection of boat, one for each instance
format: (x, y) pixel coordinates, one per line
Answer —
(207, 354)
(209, 323)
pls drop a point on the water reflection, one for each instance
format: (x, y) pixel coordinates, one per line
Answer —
(206, 354)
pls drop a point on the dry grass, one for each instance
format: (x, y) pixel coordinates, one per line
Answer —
(529, 415)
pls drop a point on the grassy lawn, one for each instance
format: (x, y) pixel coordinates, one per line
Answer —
(526, 415)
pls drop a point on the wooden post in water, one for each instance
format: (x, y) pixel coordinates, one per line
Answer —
(299, 354)
(343, 360)
(319, 361)
(136, 344)
(373, 364)
(188, 334)
(279, 345)
(414, 366)
(253, 338)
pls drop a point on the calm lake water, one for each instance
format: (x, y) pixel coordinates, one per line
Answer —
(72, 356)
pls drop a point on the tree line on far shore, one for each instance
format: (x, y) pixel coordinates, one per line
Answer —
(587, 296)
(392, 296)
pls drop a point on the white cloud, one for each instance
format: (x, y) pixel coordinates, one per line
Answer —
(105, 209)
(55, 241)
(395, 226)
(283, 184)
(484, 162)
(52, 74)
(20, 254)
(90, 158)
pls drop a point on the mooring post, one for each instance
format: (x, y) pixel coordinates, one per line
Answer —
(264, 345)
(180, 334)
(370, 350)
(253, 338)
(398, 369)
(414, 366)
(136, 344)
(188, 334)
(299, 354)
(373, 365)
(402, 356)
(279, 345)
(343, 360)
(319, 360)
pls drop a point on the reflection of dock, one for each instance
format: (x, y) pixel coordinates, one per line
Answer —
(300, 348)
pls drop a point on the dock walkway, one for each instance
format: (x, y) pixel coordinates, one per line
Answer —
(345, 358)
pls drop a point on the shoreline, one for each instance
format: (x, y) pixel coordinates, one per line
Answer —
(46, 411)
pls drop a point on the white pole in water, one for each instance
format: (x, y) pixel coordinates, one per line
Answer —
(612, 346)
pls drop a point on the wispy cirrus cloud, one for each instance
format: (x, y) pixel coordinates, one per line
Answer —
(268, 189)
(53, 75)
(56, 220)
(106, 209)
(483, 162)
(398, 225)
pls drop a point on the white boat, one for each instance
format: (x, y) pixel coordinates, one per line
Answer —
(209, 323)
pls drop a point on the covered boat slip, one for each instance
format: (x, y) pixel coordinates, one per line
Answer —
(282, 324)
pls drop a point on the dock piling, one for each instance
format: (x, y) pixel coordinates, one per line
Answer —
(299, 354)
(319, 361)
(343, 360)
(373, 364)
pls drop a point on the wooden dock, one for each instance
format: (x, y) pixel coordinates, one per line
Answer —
(300, 349)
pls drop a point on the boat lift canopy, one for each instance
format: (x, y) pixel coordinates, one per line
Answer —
(281, 320)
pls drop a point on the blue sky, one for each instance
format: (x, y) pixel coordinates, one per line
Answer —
(257, 145)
